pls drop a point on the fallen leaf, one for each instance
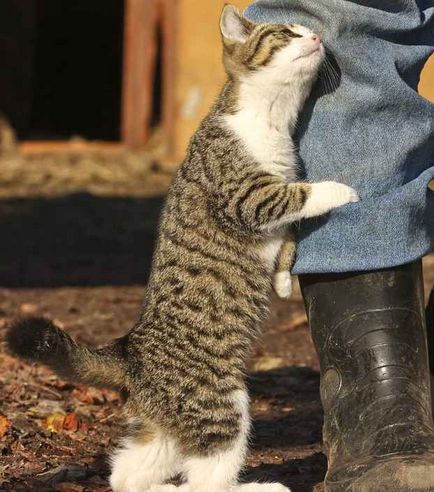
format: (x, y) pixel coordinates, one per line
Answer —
(4, 425)
(69, 487)
(59, 422)
(71, 423)
(54, 422)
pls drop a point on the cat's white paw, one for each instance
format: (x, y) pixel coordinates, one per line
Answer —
(164, 488)
(327, 196)
(283, 284)
(137, 466)
(263, 487)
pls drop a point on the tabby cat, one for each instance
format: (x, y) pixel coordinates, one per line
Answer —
(181, 368)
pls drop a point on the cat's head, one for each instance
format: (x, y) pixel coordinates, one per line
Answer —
(277, 53)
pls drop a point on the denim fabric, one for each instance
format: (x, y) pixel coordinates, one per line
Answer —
(374, 132)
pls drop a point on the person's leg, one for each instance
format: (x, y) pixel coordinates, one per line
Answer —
(369, 331)
(377, 47)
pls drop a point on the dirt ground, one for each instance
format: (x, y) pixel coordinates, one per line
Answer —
(79, 252)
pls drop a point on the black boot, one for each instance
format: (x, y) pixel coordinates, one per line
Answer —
(430, 329)
(369, 331)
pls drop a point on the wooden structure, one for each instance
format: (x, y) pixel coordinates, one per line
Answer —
(181, 39)
(192, 66)
(144, 21)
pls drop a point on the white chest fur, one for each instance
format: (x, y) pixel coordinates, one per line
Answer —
(264, 124)
(272, 148)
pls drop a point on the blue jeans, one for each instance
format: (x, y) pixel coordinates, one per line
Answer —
(374, 132)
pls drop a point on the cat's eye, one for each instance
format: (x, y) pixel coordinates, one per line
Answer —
(292, 34)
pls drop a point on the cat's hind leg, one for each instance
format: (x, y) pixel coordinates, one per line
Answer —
(218, 471)
(215, 473)
(146, 459)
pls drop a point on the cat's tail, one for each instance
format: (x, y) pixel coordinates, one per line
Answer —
(40, 340)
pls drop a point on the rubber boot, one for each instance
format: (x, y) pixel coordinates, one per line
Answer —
(370, 334)
(430, 330)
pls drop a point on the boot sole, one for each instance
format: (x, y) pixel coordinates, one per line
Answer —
(399, 475)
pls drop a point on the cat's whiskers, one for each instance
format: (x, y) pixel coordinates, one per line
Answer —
(329, 76)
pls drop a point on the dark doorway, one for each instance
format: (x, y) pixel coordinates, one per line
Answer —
(72, 54)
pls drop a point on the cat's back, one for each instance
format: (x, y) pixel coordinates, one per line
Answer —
(202, 266)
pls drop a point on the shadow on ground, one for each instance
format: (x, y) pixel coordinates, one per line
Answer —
(77, 240)
(289, 426)
(293, 415)
(301, 475)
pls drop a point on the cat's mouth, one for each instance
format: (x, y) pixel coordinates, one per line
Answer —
(315, 49)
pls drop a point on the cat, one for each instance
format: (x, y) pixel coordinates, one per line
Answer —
(181, 368)
(285, 260)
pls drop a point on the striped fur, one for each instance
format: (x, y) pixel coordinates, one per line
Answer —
(221, 231)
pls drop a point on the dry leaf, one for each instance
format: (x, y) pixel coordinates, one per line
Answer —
(4, 425)
(71, 423)
(60, 422)
(69, 487)
(54, 422)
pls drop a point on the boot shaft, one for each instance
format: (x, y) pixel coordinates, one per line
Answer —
(370, 334)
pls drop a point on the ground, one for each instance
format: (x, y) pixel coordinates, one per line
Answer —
(76, 246)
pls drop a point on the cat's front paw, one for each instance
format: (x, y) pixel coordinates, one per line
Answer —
(327, 196)
(282, 284)
(343, 194)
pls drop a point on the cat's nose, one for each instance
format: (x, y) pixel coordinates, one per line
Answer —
(316, 38)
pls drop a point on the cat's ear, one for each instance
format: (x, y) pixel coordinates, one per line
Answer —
(234, 27)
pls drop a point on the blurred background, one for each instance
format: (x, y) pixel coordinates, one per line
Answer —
(109, 71)
(98, 99)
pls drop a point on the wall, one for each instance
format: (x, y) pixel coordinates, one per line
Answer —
(199, 72)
